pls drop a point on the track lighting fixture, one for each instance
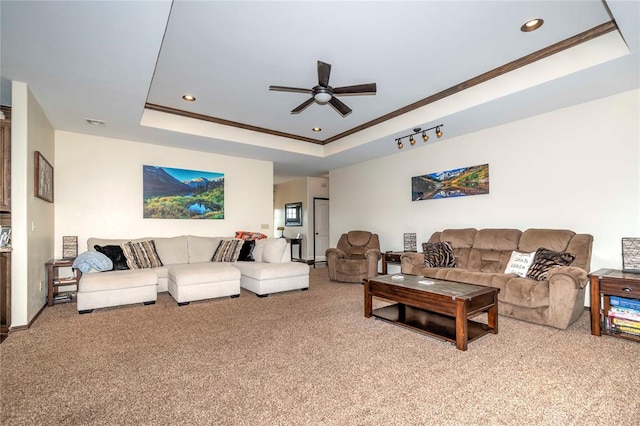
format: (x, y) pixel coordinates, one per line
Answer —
(416, 131)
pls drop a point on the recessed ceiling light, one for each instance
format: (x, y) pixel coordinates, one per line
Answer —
(317, 129)
(532, 25)
(189, 98)
(95, 122)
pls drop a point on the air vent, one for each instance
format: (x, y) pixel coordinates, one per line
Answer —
(95, 122)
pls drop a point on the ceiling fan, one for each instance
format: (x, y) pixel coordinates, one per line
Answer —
(323, 93)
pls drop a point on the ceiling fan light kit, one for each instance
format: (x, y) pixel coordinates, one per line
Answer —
(323, 94)
(416, 131)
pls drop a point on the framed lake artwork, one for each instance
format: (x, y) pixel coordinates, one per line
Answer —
(460, 182)
(171, 193)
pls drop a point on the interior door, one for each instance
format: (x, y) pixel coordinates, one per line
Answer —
(320, 228)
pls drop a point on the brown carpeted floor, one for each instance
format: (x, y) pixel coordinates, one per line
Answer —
(306, 358)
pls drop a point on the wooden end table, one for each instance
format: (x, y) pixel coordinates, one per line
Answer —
(390, 257)
(606, 283)
(54, 280)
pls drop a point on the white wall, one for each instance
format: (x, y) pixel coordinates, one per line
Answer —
(299, 190)
(575, 168)
(99, 190)
(292, 191)
(32, 219)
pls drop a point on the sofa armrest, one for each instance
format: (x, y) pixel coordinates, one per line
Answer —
(566, 295)
(578, 275)
(412, 263)
(335, 253)
(372, 254)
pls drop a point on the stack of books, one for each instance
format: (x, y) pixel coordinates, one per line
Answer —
(624, 316)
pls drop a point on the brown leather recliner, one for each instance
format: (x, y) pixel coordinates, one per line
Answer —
(354, 258)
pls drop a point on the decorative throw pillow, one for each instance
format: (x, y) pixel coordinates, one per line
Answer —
(439, 255)
(141, 254)
(519, 263)
(227, 251)
(116, 255)
(246, 252)
(245, 235)
(546, 259)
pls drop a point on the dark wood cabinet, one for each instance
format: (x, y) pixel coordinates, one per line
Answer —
(5, 292)
(5, 220)
(5, 161)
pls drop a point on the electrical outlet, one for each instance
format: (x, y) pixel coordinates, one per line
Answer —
(40, 285)
(264, 226)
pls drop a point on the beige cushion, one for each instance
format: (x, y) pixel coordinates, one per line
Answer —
(261, 271)
(200, 273)
(116, 280)
(273, 249)
(201, 249)
(172, 250)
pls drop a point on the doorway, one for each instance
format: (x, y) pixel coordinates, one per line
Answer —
(320, 229)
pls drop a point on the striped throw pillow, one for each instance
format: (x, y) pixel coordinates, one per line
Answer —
(228, 251)
(141, 254)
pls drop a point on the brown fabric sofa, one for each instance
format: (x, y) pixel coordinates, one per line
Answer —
(482, 256)
(355, 257)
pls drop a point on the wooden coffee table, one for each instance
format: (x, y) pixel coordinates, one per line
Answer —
(442, 309)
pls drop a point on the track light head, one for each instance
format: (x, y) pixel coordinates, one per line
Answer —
(419, 131)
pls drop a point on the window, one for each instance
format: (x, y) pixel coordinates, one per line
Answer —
(293, 214)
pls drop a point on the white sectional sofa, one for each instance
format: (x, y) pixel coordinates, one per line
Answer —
(188, 273)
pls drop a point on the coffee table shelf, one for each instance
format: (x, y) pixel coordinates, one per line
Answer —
(431, 323)
(436, 308)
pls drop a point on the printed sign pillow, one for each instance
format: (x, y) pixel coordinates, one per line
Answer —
(519, 263)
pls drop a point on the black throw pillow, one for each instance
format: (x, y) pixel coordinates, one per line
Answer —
(246, 252)
(116, 255)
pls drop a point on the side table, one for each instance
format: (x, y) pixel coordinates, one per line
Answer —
(295, 242)
(390, 257)
(606, 283)
(54, 280)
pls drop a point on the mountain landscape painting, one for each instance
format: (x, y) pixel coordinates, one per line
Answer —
(182, 194)
(472, 180)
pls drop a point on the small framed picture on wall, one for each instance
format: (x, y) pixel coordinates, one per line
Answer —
(43, 178)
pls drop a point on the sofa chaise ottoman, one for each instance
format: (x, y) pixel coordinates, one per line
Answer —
(117, 288)
(199, 281)
(272, 270)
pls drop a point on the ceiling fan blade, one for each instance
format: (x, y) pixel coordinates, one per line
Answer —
(302, 106)
(339, 106)
(289, 89)
(324, 71)
(358, 89)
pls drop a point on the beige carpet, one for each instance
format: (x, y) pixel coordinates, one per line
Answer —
(306, 358)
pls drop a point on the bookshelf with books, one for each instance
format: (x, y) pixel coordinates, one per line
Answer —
(56, 283)
(615, 303)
